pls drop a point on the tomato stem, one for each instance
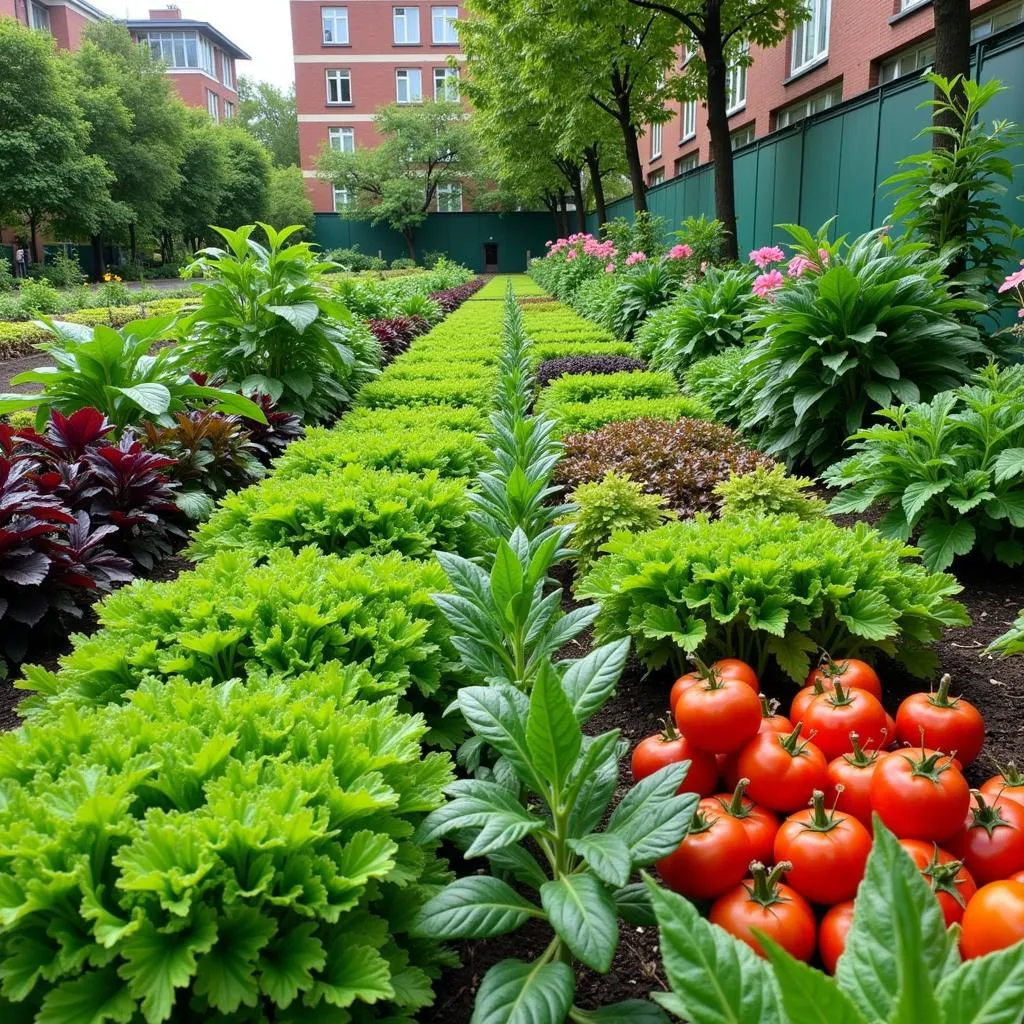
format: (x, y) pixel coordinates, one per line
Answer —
(791, 742)
(768, 707)
(669, 733)
(860, 758)
(840, 696)
(942, 877)
(701, 822)
(735, 807)
(928, 766)
(987, 816)
(821, 820)
(765, 890)
(940, 698)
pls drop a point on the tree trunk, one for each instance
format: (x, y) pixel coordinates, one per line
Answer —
(593, 159)
(718, 132)
(99, 264)
(410, 242)
(581, 204)
(562, 217)
(33, 242)
(633, 161)
(952, 58)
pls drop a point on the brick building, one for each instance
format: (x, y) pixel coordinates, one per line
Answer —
(352, 58)
(63, 19)
(848, 47)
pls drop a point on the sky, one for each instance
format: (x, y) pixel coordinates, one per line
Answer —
(260, 27)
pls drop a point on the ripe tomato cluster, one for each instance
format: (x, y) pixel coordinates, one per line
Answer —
(798, 793)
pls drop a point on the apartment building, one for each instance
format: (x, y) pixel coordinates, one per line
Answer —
(846, 48)
(65, 20)
(354, 57)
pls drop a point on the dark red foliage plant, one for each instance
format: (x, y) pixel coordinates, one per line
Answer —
(552, 369)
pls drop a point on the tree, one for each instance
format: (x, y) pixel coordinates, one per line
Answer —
(269, 115)
(44, 169)
(423, 147)
(716, 30)
(952, 60)
(246, 195)
(288, 202)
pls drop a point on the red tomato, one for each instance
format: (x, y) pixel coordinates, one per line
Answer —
(760, 824)
(770, 722)
(804, 699)
(943, 722)
(783, 770)
(828, 851)
(994, 919)
(1008, 785)
(680, 686)
(948, 878)
(925, 751)
(849, 777)
(993, 843)
(769, 906)
(719, 715)
(919, 797)
(668, 747)
(831, 718)
(832, 932)
(849, 671)
(733, 668)
(712, 858)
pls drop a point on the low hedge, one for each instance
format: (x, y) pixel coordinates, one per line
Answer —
(461, 390)
(495, 288)
(563, 350)
(588, 387)
(577, 417)
(552, 369)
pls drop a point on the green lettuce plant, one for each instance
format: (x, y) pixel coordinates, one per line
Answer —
(769, 492)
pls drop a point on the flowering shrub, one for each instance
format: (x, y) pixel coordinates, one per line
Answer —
(765, 256)
(680, 252)
(635, 257)
(571, 261)
(765, 284)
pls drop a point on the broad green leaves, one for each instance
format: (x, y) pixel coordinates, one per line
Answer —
(478, 907)
(514, 992)
(582, 913)
(553, 735)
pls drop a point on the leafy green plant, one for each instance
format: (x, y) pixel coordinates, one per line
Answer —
(770, 591)
(597, 299)
(769, 492)
(704, 236)
(64, 270)
(719, 383)
(38, 297)
(579, 417)
(1011, 642)
(266, 324)
(585, 387)
(640, 293)
(878, 324)
(117, 373)
(900, 962)
(607, 506)
(243, 852)
(950, 472)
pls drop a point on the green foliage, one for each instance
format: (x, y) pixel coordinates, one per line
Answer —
(771, 591)
(704, 236)
(245, 852)
(113, 293)
(458, 390)
(287, 201)
(38, 297)
(768, 493)
(950, 472)
(585, 387)
(246, 195)
(578, 417)
(719, 383)
(613, 503)
(597, 299)
(900, 962)
(266, 324)
(349, 510)
(354, 260)
(115, 372)
(878, 324)
(1011, 642)
(268, 114)
(643, 233)
(64, 270)
(647, 288)
(520, 284)
(544, 350)
(403, 263)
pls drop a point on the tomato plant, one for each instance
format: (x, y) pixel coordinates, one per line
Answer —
(848, 671)
(830, 718)
(994, 919)
(832, 932)
(849, 777)
(948, 878)
(1008, 784)
(713, 858)
(943, 722)
(760, 824)
(669, 747)
(783, 770)
(828, 851)
(720, 715)
(765, 904)
(919, 797)
(992, 844)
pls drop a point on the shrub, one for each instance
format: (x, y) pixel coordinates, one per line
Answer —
(388, 393)
(552, 369)
(266, 324)
(394, 335)
(607, 506)
(449, 299)
(403, 263)
(597, 300)
(113, 293)
(768, 493)
(639, 294)
(241, 852)
(683, 460)
(770, 591)
(64, 270)
(353, 259)
(585, 387)
(543, 351)
(949, 472)
(579, 417)
(349, 510)
(704, 237)
(432, 257)
(7, 278)
(719, 383)
(37, 297)
(878, 325)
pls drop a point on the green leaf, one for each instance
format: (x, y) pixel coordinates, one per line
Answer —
(715, 978)
(608, 856)
(633, 904)
(653, 817)
(589, 682)
(498, 714)
(581, 911)
(985, 990)
(226, 974)
(152, 398)
(514, 992)
(263, 385)
(476, 907)
(941, 542)
(286, 966)
(300, 315)
(632, 1011)
(897, 949)
(552, 732)
(91, 998)
(1009, 464)
(661, 622)
(808, 996)
(867, 613)
(300, 382)
(506, 580)
(916, 496)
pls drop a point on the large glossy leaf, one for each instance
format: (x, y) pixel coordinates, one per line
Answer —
(653, 817)
(552, 732)
(153, 398)
(514, 992)
(300, 315)
(582, 913)
(589, 681)
(985, 990)
(476, 907)
(808, 996)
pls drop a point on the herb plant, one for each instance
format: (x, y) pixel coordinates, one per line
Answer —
(640, 293)
(768, 492)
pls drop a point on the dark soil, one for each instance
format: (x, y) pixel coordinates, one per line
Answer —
(10, 368)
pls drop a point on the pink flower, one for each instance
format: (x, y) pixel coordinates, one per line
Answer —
(610, 269)
(703, 266)
(635, 257)
(765, 284)
(570, 255)
(1012, 281)
(680, 252)
(798, 266)
(767, 254)
(549, 244)
(823, 255)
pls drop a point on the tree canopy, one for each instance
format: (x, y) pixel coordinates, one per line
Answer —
(268, 114)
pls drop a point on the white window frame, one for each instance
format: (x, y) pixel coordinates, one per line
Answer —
(229, 110)
(409, 20)
(408, 76)
(749, 134)
(657, 140)
(443, 79)
(688, 120)
(810, 38)
(213, 104)
(334, 22)
(814, 103)
(997, 20)
(342, 139)
(656, 177)
(446, 22)
(448, 192)
(39, 17)
(690, 162)
(736, 84)
(909, 5)
(227, 70)
(181, 50)
(344, 201)
(340, 76)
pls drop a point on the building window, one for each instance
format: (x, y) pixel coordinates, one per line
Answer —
(38, 17)
(906, 5)
(449, 198)
(342, 199)
(812, 104)
(656, 137)
(656, 177)
(409, 85)
(689, 120)
(736, 82)
(342, 139)
(1004, 17)
(229, 110)
(407, 26)
(810, 38)
(446, 84)
(213, 104)
(339, 86)
(743, 137)
(443, 25)
(687, 163)
(227, 70)
(181, 50)
(335, 25)
(905, 63)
